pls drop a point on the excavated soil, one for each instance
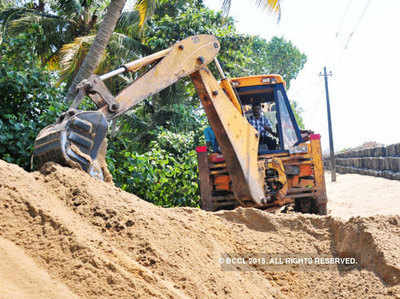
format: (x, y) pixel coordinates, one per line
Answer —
(64, 234)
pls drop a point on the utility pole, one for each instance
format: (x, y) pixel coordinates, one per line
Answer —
(332, 151)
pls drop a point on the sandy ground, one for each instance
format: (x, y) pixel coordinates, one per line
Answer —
(360, 195)
(64, 234)
(20, 277)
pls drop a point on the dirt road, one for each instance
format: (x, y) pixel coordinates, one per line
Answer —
(359, 195)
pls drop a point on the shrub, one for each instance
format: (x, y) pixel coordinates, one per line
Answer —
(165, 175)
(28, 102)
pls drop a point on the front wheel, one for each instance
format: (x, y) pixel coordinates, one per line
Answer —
(308, 205)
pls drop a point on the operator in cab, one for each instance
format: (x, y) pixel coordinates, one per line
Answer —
(263, 126)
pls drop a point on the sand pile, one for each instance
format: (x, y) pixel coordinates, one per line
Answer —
(64, 234)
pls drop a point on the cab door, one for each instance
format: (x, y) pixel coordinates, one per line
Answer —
(289, 131)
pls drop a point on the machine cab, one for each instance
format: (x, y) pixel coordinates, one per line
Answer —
(268, 92)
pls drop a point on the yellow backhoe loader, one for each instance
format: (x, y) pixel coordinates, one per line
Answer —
(245, 172)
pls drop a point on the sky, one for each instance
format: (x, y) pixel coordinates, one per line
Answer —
(365, 104)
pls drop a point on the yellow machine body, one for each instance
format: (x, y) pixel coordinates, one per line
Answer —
(293, 176)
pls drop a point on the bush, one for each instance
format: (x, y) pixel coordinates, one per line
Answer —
(28, 103)
(165, 175)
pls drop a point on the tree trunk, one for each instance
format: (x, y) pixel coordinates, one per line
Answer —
(92, 59)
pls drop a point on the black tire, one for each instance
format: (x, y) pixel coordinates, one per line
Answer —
(305, 205)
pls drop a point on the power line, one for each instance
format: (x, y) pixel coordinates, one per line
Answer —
(342, 19)
(338, 34)
(340, 53)
(357, 24)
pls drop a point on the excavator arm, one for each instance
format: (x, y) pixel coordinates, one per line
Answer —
(237, 139)
(78, 138)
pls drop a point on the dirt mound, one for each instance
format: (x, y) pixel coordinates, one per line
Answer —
(65, 234)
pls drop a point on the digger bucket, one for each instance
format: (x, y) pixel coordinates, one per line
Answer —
(74, 142)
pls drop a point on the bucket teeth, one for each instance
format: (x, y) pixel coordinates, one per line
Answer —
(81, 124)
(48, 148)
(83, 141)
(75, 140)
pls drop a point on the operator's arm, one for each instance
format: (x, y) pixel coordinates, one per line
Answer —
(268, 127)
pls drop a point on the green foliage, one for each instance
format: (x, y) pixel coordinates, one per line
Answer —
(297, 111)
(277, 56)
(51, 23)
(165, 175)
(28, 104)
(62, 31)
(167, 27)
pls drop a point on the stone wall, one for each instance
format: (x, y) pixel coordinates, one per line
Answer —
(378, 161)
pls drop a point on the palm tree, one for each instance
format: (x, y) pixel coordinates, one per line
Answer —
(92, 59)
(70, 24)
(59, 22)
(66, 25)
(272, 5)
(145, 8)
